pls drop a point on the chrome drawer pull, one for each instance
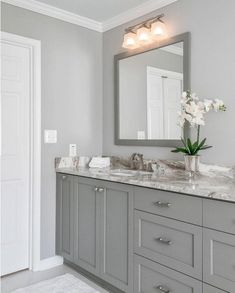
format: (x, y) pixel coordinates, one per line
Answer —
(164, 241)
(100, 189)
(162, 204)
(163, 289)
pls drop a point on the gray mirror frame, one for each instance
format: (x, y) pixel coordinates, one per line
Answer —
(186, 39)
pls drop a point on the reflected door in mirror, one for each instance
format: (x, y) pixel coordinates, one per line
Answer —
(164, 90)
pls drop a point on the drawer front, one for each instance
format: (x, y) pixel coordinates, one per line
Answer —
(210, 289)
(219, 259)
(172, 243)
(219, 215)
(150, 277)
(168, 204)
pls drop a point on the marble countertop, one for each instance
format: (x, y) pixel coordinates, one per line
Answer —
(219, 186)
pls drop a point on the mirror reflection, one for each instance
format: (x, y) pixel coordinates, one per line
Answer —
(150, 88)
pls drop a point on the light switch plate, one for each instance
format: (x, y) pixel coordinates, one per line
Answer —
(50, 136)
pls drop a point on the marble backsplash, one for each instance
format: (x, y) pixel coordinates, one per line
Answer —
(153, 165)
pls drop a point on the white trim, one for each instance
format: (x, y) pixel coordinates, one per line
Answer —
(48, 263)
(135, 12)
(173, 49)
(34, 47)
(58, 13)
(89, 23)
(162, 72)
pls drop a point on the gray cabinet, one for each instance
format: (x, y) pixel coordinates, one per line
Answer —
(86, 225)
(151, 277)
(65, 216)
(219, 259)
(172, 243)
(116, 235)
(219, 215)
(168, 204)
(175, 237)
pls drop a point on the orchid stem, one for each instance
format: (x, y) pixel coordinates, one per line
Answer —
(198, 133)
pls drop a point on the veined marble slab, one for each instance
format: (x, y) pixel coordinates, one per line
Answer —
(212, 182)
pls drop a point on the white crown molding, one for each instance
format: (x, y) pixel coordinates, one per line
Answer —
(86, 22)
(58, 13)
(134, 13)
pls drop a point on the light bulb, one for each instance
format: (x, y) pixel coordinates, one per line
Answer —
(158, 30)
(143, 35)
(130, 41)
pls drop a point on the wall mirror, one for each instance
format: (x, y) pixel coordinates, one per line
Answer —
(148, 87)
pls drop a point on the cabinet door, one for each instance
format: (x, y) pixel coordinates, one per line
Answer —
(117, 235)
(64, 216)
(219, 259)
(86, 224)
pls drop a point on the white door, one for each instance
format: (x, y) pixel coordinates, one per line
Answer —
(155, 107)
(173, 88)
(15, 158)
(164, 89)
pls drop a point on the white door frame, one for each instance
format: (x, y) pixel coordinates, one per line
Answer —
(34, 47)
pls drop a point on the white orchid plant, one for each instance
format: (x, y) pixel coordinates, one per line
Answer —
(193, 113)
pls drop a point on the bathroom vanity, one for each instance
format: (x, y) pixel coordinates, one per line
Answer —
(142, 234)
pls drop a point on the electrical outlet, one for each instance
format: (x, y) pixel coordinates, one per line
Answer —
(141, 134)
(72, 150)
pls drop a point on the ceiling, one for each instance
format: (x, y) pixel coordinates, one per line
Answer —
(99, 10)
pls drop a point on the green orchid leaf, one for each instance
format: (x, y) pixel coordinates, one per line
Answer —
(180, 150)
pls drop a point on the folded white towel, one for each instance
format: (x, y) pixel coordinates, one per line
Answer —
(99, 162)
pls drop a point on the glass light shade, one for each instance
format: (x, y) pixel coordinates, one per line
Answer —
(158, 30)
(130, 41)
(143, 35)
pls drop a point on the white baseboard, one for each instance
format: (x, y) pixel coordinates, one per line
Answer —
(48, 263)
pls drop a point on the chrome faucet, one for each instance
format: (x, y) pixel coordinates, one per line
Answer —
(137, 161)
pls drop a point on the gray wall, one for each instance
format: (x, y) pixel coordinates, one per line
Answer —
(211, 24)
(133, 88)
(71, 96)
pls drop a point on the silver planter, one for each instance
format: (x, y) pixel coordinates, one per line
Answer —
(192, 164)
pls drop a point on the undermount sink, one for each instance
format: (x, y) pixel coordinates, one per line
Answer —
(129, 173)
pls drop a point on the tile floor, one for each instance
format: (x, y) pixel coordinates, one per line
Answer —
(26, 278)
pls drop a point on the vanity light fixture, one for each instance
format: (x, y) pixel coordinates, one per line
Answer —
(130, 40)
(143, 35)
(145, 32)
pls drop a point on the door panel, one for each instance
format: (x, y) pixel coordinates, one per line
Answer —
(15, 158)
(65, 216)
(219, 259)
(116, 235)
(86, 224)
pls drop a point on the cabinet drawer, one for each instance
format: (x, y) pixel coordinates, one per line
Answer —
(210, 289)
(219, 259)
(150, 277)
(168, 204)
(219, 215)
(172, 243)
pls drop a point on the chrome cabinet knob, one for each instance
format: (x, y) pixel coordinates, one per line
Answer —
(164, 241)
(99, 189)
(162, 204)
(163, 289)
(64, 177)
